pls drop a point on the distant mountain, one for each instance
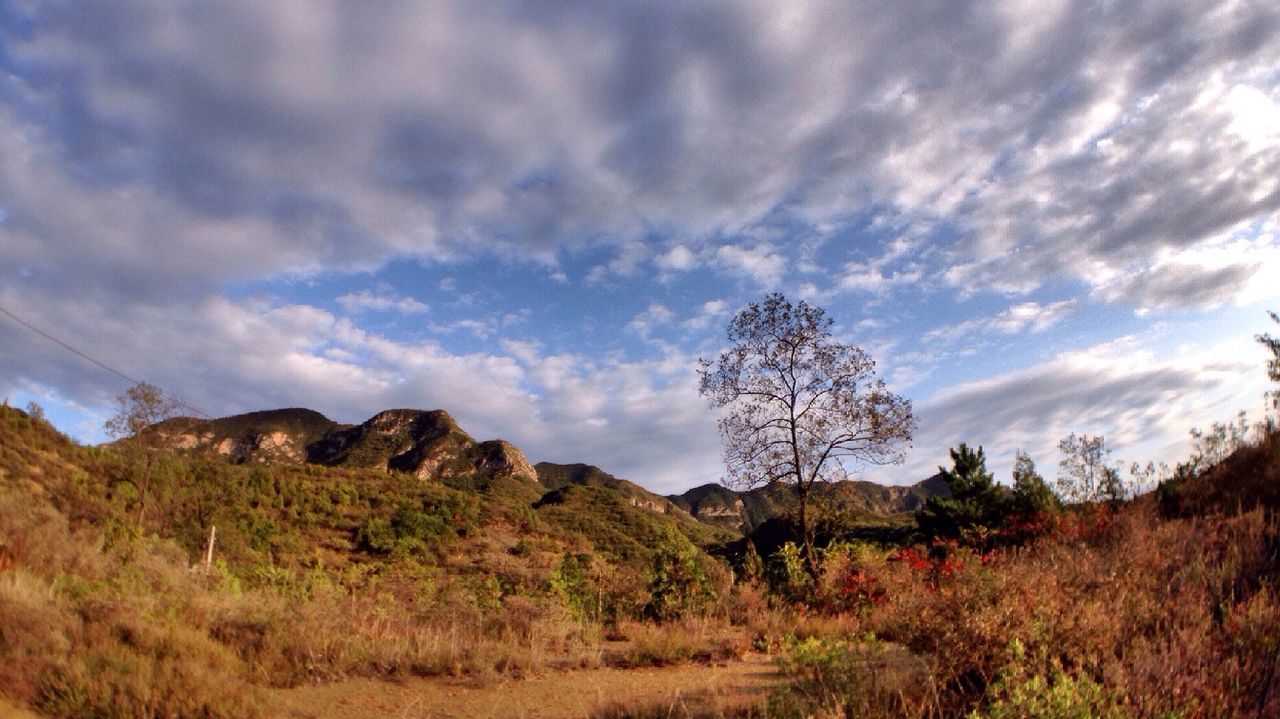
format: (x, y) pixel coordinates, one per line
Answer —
(558, 476)
(748, 510)
(432, 446)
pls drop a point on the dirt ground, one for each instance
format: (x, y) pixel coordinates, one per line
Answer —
(559, 695)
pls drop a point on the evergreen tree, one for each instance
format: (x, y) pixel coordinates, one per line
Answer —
(976, 505)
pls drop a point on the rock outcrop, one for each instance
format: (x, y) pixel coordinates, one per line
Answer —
(427, 444)
(268, 436)
(499, 459)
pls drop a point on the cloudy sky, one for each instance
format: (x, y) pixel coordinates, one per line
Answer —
(1038, 217)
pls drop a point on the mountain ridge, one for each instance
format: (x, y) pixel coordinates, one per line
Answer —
(431, 445)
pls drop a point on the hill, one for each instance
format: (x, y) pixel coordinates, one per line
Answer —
(1247, 478)
(431, 445)
(270, 435)
(749, 510)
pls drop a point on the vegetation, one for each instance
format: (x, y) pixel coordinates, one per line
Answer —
(1086, 474)
(802, 406)
(996, 602)
(1273, 363)
(975, 507)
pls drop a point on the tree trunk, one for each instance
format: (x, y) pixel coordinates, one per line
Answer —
(806, 536)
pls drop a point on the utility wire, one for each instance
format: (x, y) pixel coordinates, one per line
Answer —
(87, 358)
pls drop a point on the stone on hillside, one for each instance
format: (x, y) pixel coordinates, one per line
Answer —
(499, 459)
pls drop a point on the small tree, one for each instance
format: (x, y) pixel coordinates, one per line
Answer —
(1273, 365)
(803, 408)
(976, 505)
(140, 409)
(1031, 494)
(1219, 442)
(1085, 472)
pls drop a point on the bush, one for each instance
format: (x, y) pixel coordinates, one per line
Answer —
(839, 678)
(678, 582)
(1018, 693)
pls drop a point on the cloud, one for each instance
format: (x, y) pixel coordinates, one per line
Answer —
(871, 278)
(381, 301)
(759, 264)
(179, 148)
(1140, 400)
(709, 312)
(1236, 266)
(1024, 316)
(677, 259)
(654, 316)
(1176, 285)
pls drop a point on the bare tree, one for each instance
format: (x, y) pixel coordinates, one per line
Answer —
(1086, 473)
(803, 408)
(140, 409)
(1273, 364)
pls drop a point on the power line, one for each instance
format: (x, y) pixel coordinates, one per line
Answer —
(87, 358)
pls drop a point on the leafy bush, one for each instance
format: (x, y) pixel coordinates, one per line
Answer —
(1020, 694)
(841, 678)
(678, 581)
(413, 528)
(787, 577)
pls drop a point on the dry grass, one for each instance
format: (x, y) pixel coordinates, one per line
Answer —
(1167, 618)
(704, 640)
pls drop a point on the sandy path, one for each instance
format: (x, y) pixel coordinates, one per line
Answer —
(559, 695)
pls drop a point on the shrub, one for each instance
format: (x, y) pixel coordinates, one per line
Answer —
(1018, 693)
(839, 678)
(678, 582)
(787, 577)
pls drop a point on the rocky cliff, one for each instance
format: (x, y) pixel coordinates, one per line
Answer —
(427, 444)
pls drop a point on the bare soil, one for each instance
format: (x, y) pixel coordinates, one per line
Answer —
(577, 694)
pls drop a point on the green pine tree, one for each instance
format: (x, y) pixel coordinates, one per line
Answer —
(976, 505)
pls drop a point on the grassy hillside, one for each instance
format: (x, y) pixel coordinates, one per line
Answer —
(107, 609)
(1249, 477)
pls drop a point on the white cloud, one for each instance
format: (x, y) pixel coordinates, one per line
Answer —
(677, 259)
(380, 301)
(710, 311)
(654, 316)
(1024, 316)
(761, 264)
(1143, 401)
(1076, 141)
(872, 278)
(1242, 265)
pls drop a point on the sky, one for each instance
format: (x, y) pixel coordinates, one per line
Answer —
(1037, 217)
